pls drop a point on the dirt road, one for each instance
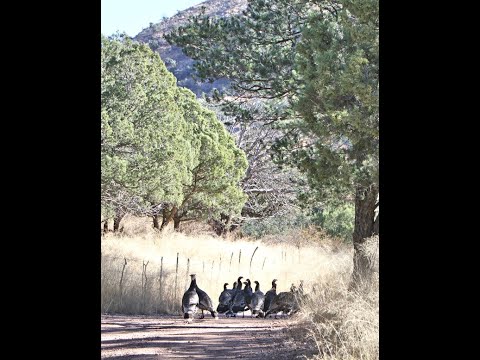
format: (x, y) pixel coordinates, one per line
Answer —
(170, 337)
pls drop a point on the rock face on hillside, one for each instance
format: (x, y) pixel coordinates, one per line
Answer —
(179, 64)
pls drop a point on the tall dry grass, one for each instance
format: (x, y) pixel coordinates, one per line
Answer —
(343, 323)
(214, 260)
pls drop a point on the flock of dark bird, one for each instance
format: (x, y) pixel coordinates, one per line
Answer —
(235, 300)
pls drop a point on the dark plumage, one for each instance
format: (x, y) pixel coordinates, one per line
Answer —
(247, 291)
(225, 298)
(239, 283)
(269, 295)
(205, 303)
(247, 297)
(238, 303)
(257, 300)
(286, 302)
(190, 300)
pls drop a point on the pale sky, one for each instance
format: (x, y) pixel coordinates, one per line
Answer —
(132, 16)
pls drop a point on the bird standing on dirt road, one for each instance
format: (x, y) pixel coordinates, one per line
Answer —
(238, 303)
(269, 295)
(247, 296)
(205, 303)
(286, 302)
(190, 300)
(257, 300)
(224, 300)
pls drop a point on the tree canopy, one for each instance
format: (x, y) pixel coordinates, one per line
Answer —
(157, 142)
(314, 66)
(218, 167)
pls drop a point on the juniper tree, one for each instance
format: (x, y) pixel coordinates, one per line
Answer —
(160, 149)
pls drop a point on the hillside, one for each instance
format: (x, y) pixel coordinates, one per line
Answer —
(179, 64)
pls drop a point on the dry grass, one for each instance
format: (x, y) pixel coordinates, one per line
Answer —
(213, 259)
(344, 324)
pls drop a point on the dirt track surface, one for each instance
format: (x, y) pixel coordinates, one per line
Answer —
(170, 337)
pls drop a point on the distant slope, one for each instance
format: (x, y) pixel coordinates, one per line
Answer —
(179, 64)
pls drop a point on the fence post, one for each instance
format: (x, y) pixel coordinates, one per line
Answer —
(176, 277)
(160, 292)
(188, 272)
(121, 283)
(144, 284)
(254, 251)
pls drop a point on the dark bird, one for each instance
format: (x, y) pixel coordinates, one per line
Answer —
(247, 297)
(286, 302)
(239, 283)
(248, 292)
(205, 303)
(257, 301)
(225, 298)
(238, 303)
(190, 300)
(269, 295)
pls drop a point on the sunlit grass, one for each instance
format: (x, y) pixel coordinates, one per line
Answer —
(214, 260)
(343, 323)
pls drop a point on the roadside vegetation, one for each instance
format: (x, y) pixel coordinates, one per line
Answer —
(140, 276)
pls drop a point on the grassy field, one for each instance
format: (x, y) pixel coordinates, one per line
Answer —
(140, 276)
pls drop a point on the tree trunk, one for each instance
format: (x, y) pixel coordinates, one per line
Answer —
(168, 219)
(365, 200)
(105, 226)
(164, 218)
(119, 214)
(376, 228)
(226, 229)
(176, 223)
(156, 221)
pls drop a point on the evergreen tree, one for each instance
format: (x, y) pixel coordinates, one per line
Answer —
(160, 150)
(144, 151)
(337, 64)
(314, 64)
(218, 167)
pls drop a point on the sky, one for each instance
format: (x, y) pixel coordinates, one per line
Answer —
(132, 16)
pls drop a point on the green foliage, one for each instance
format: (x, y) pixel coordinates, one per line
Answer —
(337, 64)
(218, 167)
(316, 64)
(275, 225)
(337, 221)
(158, 144)
(255, 50)
(145, 154)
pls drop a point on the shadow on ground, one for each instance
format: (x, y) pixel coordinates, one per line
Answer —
(170, 337)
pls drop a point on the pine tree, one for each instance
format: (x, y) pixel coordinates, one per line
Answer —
(314, 65)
